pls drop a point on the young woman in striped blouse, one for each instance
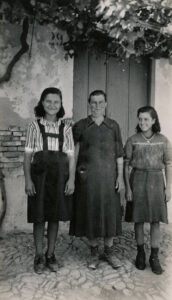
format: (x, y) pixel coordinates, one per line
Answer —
(49, 174)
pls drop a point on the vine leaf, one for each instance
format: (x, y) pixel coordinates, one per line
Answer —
(24, 48)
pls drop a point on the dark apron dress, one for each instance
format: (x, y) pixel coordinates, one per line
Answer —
(49, 173)
(97, 211)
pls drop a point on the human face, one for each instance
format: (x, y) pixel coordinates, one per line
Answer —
(146, 122)
(52, 104)
(97, 106)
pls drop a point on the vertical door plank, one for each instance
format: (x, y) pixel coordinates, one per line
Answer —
(117, 93)
(80, 88)
(138, 90)
(97, 73)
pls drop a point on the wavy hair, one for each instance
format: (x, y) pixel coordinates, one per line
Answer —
(39, 109)
(149, 109)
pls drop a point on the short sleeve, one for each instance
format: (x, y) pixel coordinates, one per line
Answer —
(77, 131)
(128, 151)
(168, 154)
(119, 152)
(68, 145)
(30, 138)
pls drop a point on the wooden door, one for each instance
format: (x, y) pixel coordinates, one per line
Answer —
(126, 84)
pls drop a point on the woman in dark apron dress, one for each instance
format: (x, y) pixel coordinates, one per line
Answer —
(49, 174)
(99, 180)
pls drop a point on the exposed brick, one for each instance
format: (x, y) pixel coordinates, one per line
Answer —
(21, 148)
(5, 132)
(24, 133)
(11, 165)
(15, 138)
(23, 143)
(11, 148)
(15, 143)
(14, 128)
(23, 138)
(17, 133)
(5, 138)
(12, 154)
(4, 149)
(11, 159)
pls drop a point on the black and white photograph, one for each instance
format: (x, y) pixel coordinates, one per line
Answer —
(86, 149)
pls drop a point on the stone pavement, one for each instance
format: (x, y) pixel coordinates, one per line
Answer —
(74, 281)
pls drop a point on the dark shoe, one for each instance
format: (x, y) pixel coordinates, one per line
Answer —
(110, 257)
(93, 261)
(140, 258)
(51, 263)
(39, 264)
(154, 262)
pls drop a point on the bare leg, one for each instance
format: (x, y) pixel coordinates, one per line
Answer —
(155, 234)
(140, 262)
(155, 237)
(52, 236)
(139, 233)
(38, 233)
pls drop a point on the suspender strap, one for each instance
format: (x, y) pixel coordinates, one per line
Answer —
(61, 137)
(44, 137)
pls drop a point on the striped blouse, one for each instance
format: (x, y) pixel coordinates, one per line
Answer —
(34, 141)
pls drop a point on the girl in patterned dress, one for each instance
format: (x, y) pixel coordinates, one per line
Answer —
(49, 174)
(148, 155)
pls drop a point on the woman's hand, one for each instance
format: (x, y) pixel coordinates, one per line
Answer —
(30, 188)
(168, 194)
(69, 188)
(128, 194)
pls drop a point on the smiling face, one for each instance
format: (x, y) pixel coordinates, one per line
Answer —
(145, 122)
(97, 106)
(52, 104)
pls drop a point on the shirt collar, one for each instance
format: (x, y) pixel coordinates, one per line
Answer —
(49, 123)
(106, 121)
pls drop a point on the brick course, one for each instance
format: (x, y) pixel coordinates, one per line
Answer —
(12, 142)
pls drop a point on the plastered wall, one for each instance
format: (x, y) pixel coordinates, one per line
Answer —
(45, 67)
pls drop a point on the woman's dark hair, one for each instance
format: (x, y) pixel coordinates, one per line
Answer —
(97, 93)
(39, 109)
(149, 109)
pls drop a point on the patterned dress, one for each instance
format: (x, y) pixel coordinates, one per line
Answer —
(148, 159)
(96, 210)
(51, 143)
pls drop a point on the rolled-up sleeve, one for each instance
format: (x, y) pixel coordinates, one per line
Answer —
(77, 131)
(168, 154)
(119, 152)
(128, 151)
(68, 145)
(30, 138)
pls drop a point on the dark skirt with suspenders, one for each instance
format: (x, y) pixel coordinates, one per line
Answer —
(49, 173)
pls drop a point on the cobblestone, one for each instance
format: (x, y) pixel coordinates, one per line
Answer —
(74, 280)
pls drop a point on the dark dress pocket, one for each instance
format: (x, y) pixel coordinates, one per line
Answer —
(82, 173)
